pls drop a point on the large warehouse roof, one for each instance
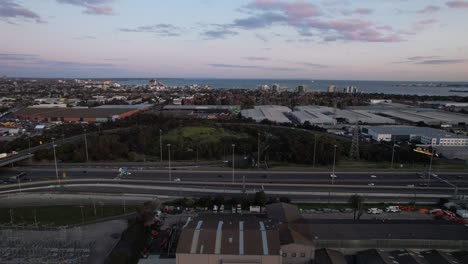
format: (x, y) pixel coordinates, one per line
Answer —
(412, 130)
(201, 107)
(229, 234)
(274, 113)
(429, 117)
(72, 112)
(312, 117)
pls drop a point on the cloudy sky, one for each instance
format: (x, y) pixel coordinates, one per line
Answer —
(327, 39)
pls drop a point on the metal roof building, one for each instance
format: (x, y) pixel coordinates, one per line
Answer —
(273, 113)
(429, 117)
(229, 238)
(201, 107)
(314, 118)
(426, 135)
(350, 116)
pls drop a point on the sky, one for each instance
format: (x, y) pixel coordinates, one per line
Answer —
(412, 40)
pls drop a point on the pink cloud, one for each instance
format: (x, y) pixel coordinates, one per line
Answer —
(429, 10)
(457, 4)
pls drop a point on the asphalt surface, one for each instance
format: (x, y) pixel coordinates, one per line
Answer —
(405, 179)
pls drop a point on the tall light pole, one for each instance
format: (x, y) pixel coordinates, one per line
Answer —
(169, 155)
(86, 145)
(315, 149)
(160, 145)
(233, 151)
(55, 161)
(393, 155)
(258, 151)
(334, 161)
(429, 174)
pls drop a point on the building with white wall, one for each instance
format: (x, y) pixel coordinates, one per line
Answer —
(426, 135)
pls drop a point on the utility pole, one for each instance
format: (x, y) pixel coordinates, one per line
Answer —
(315, 149)
(169, 153)
(334, 161)
(233, 151)
(258, 151)
(160, 145)
(86, 146)
(55, 161)
(393, 155)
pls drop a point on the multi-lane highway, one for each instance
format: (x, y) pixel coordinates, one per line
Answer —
(383, 186)
(382, 178)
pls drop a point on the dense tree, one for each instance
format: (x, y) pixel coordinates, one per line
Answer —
(356, 202)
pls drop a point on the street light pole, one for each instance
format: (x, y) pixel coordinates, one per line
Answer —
(233, 151)
(258, 152)
(315, 149)
(169, 153)
(393, 155)
(334, 161)
(160, 145)
(430, 168)
(86, 146)
(55, 161)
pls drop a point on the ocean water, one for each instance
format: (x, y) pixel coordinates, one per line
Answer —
(385, 87)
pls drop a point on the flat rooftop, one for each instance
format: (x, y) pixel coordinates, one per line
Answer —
(413, 130)
(230, 234)
(200, 107)
(72, 112)
(344, 229)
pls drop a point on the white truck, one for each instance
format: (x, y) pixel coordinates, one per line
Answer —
(255, 209)
(392, 209)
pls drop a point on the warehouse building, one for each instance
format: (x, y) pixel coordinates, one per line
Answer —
(346, 116)
(425, 135)
(314, 118)
(428, 116)
(77, 114)
(229, 238)
(273, 113)
(283, 236)
(201, 111)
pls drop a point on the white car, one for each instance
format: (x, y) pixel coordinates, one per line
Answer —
(373, 176)
(177, 179)
(374, 211)
(371, 184)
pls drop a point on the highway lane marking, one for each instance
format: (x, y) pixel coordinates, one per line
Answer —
(336, 186)
(198, 190)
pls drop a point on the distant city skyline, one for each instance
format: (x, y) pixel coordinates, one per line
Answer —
(303, 39)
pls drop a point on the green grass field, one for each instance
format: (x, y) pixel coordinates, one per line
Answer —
(202, 135)
(60, 215)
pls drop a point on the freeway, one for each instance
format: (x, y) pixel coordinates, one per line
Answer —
(303, 192)
(460, 179)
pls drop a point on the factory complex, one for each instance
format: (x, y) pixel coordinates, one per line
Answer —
(79, 114)
(282, 235)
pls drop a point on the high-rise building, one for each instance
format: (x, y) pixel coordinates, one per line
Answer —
(332, 89)
(301, 89)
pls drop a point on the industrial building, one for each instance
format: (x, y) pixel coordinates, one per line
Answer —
(229, 238)
(283, 236)
(201, 111)
(76, 114)
(348, 116)
(314, 118)
(425, 135)
(273, 113)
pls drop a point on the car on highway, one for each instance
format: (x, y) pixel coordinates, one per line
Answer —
(373, 176)
(371, 184)
(410, 185)
(459, 177)
(177, 179)
(374, 211)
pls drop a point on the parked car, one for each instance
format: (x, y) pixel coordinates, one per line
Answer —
(374, 211)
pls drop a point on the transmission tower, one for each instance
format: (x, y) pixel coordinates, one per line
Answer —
(354, 151)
